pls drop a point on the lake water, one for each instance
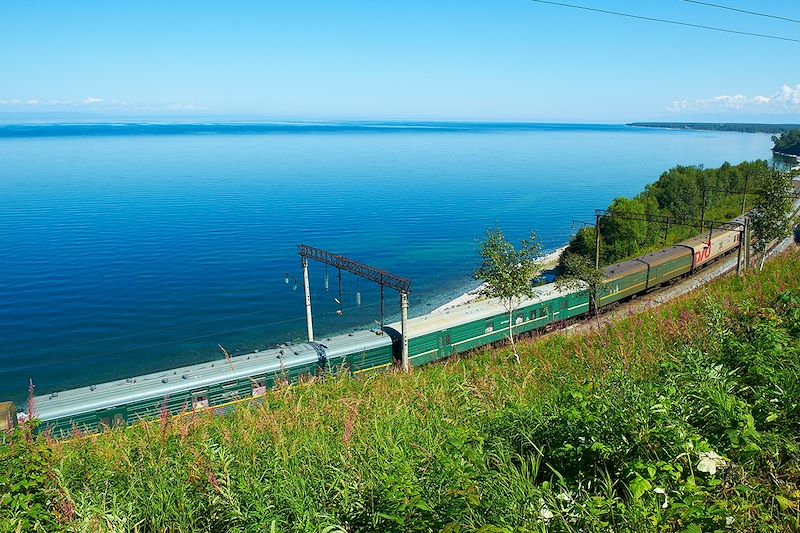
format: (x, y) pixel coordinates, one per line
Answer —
(126, 249)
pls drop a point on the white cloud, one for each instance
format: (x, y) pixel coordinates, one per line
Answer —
(97, 104)
(33, 102)
(787, 99)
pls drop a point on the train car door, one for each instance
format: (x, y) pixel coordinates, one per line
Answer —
(112, 417)
(445, 348)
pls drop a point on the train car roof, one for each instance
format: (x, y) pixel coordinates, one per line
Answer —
(354, 342)
(659, 257)
(698, 242)
(197, 377)
(476, 310)
(625, 268)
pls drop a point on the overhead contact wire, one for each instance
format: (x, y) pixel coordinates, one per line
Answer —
(709, 4)
(667, 21)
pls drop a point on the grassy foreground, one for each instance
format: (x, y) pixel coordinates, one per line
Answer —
(686, 418)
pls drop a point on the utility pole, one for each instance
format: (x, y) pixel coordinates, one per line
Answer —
(703, 212)
(740, 251)
(382, 309)
(744, 192)
(746, 245)
(597, 242)
(403, 330)
(307, 289)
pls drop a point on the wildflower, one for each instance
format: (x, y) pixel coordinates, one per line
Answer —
(659, 490)
(709, 461)
(565, 496)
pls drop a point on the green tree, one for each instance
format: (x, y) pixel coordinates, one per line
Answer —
(624, 236)
(583, 243)
(787, 143)
(650, 206)
(507, 272)
(580, 274)
(771, 217)
(678, 191)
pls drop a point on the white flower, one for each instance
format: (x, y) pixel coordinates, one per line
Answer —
(709, 461)
(564, 496)
(546, 513)
(659, 490)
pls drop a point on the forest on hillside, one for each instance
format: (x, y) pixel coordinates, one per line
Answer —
(679, 192)
(787, 142)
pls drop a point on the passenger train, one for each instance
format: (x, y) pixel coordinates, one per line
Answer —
(432, 337)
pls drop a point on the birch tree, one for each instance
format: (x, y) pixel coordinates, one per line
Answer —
(580, 274)
(771, 218)
(507, 272)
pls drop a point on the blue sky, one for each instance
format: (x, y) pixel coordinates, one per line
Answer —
(410, 60)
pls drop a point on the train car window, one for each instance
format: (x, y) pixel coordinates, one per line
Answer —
(489, 326)
(200, 400)
(259, 387)
(543, 311)
(447, 340)
(533, 314)
(118, 420)
(441, 342)
(105, 423)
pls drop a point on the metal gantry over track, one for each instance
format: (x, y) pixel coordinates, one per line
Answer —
(381, 277)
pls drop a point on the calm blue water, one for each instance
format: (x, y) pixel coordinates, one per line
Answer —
(127, 249)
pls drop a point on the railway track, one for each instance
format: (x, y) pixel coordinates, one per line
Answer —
(723, 267)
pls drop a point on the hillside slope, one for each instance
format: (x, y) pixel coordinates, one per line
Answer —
(683, 418)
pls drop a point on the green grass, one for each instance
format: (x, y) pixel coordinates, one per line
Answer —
(616, 430)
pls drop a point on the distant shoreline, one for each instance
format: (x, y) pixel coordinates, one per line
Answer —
(739, 127)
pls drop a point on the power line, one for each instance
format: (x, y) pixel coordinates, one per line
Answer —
(743, 11)
(667, 21)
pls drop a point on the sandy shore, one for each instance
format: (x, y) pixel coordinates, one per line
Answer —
(548, 261)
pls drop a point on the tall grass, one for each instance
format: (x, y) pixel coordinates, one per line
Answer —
(614, 430)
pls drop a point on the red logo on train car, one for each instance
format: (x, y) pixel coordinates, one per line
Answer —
(702, 255)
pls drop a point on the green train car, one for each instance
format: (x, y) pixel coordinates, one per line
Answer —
(438, 335)
(215, 384)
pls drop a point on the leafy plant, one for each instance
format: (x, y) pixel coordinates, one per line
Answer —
(507, 272)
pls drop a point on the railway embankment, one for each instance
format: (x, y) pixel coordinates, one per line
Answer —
(683, 417)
